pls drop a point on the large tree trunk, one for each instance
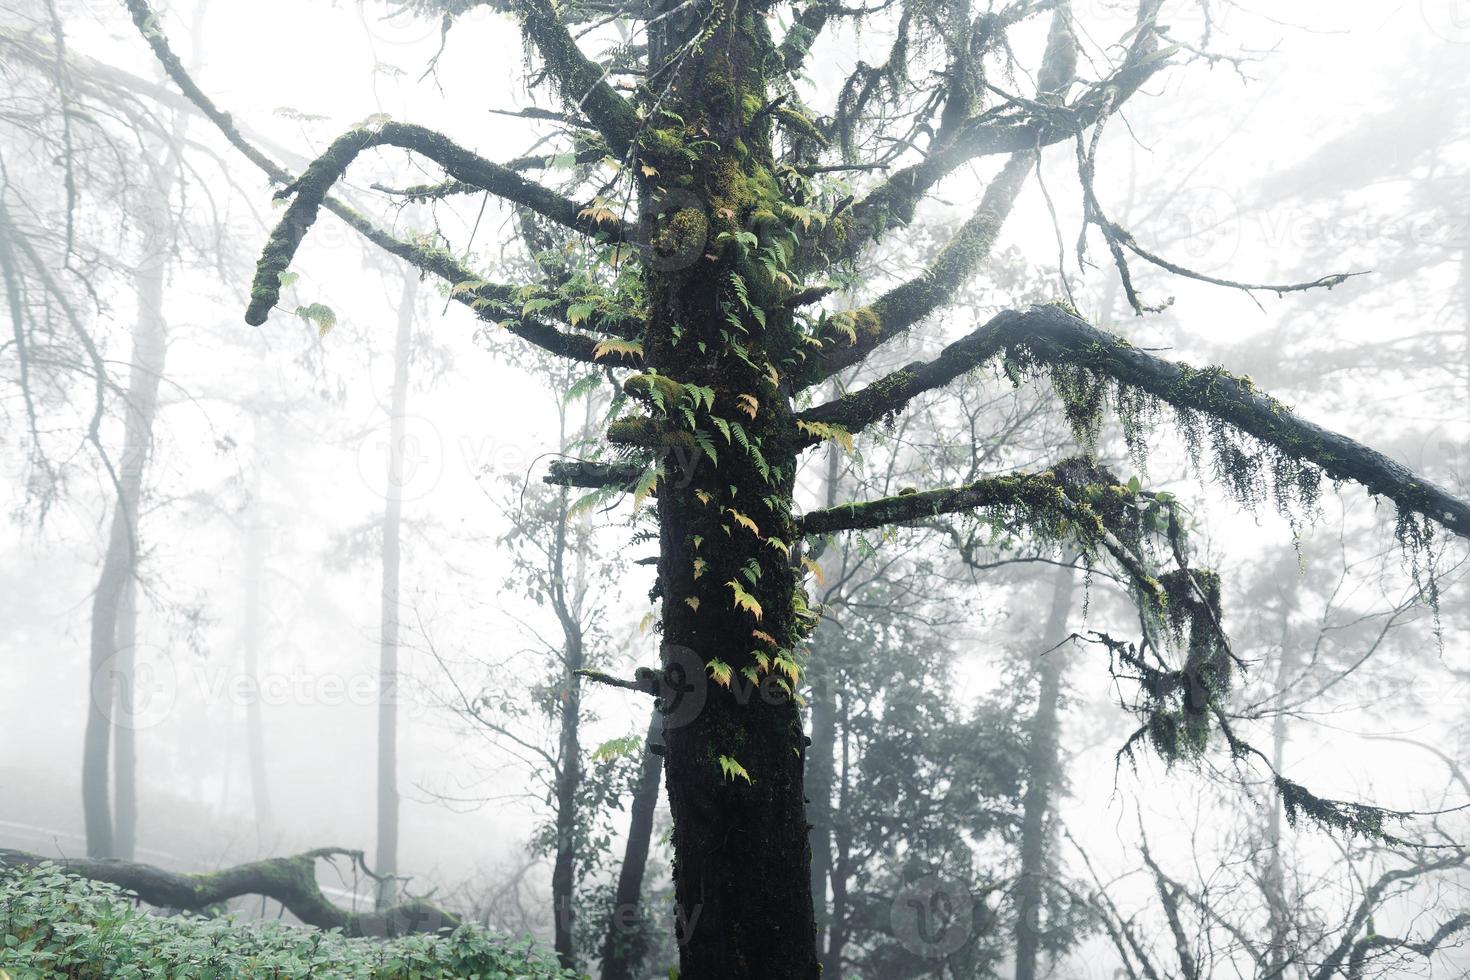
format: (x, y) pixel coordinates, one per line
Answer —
(387, 855)
(111, 706)
(623, 950)
(742, 859)
(1042, 771)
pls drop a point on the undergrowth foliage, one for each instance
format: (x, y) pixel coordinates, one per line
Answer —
(55, 924)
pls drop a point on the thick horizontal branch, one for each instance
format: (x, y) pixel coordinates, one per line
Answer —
(288, 880)
(583, 83)
(1051, 335)
(645, 680)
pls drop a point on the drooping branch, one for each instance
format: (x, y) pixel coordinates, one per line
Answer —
(490, 302)
(583, 83)
(1073, 498)
(288, 880)
(1052, 336)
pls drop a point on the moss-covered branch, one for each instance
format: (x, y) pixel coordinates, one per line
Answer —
(489, 302)
(311, 188)
(1073, 499)
(288, 880)
(583, 83)
(1052, 336)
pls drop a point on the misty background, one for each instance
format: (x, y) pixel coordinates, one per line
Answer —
(1336, 144)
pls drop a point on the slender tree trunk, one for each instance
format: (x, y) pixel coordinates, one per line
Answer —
(569, 779)
(111, 706)
(568, 598)
(387, 856)
(124, 742)
(837, 928)
(1042, 771)
(254, 629)
(1278, 910)
(821, 755)
(623, 950)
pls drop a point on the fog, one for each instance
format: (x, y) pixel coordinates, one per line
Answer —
(375, 425)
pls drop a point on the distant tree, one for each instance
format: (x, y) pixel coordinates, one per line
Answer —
(700, 265)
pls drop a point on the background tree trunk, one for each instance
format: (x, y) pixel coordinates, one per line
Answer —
(1278, 911)
(387, 855)
(254, 629)
(1042, 765)
(821, 757)
(623, 951)
(113, 633)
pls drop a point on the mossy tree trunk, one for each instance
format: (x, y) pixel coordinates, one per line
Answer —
(735, 770)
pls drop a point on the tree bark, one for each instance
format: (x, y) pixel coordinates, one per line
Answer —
(124, 742)
(568, 781)
(623, 950)
(387, 855)
(1042, 766)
